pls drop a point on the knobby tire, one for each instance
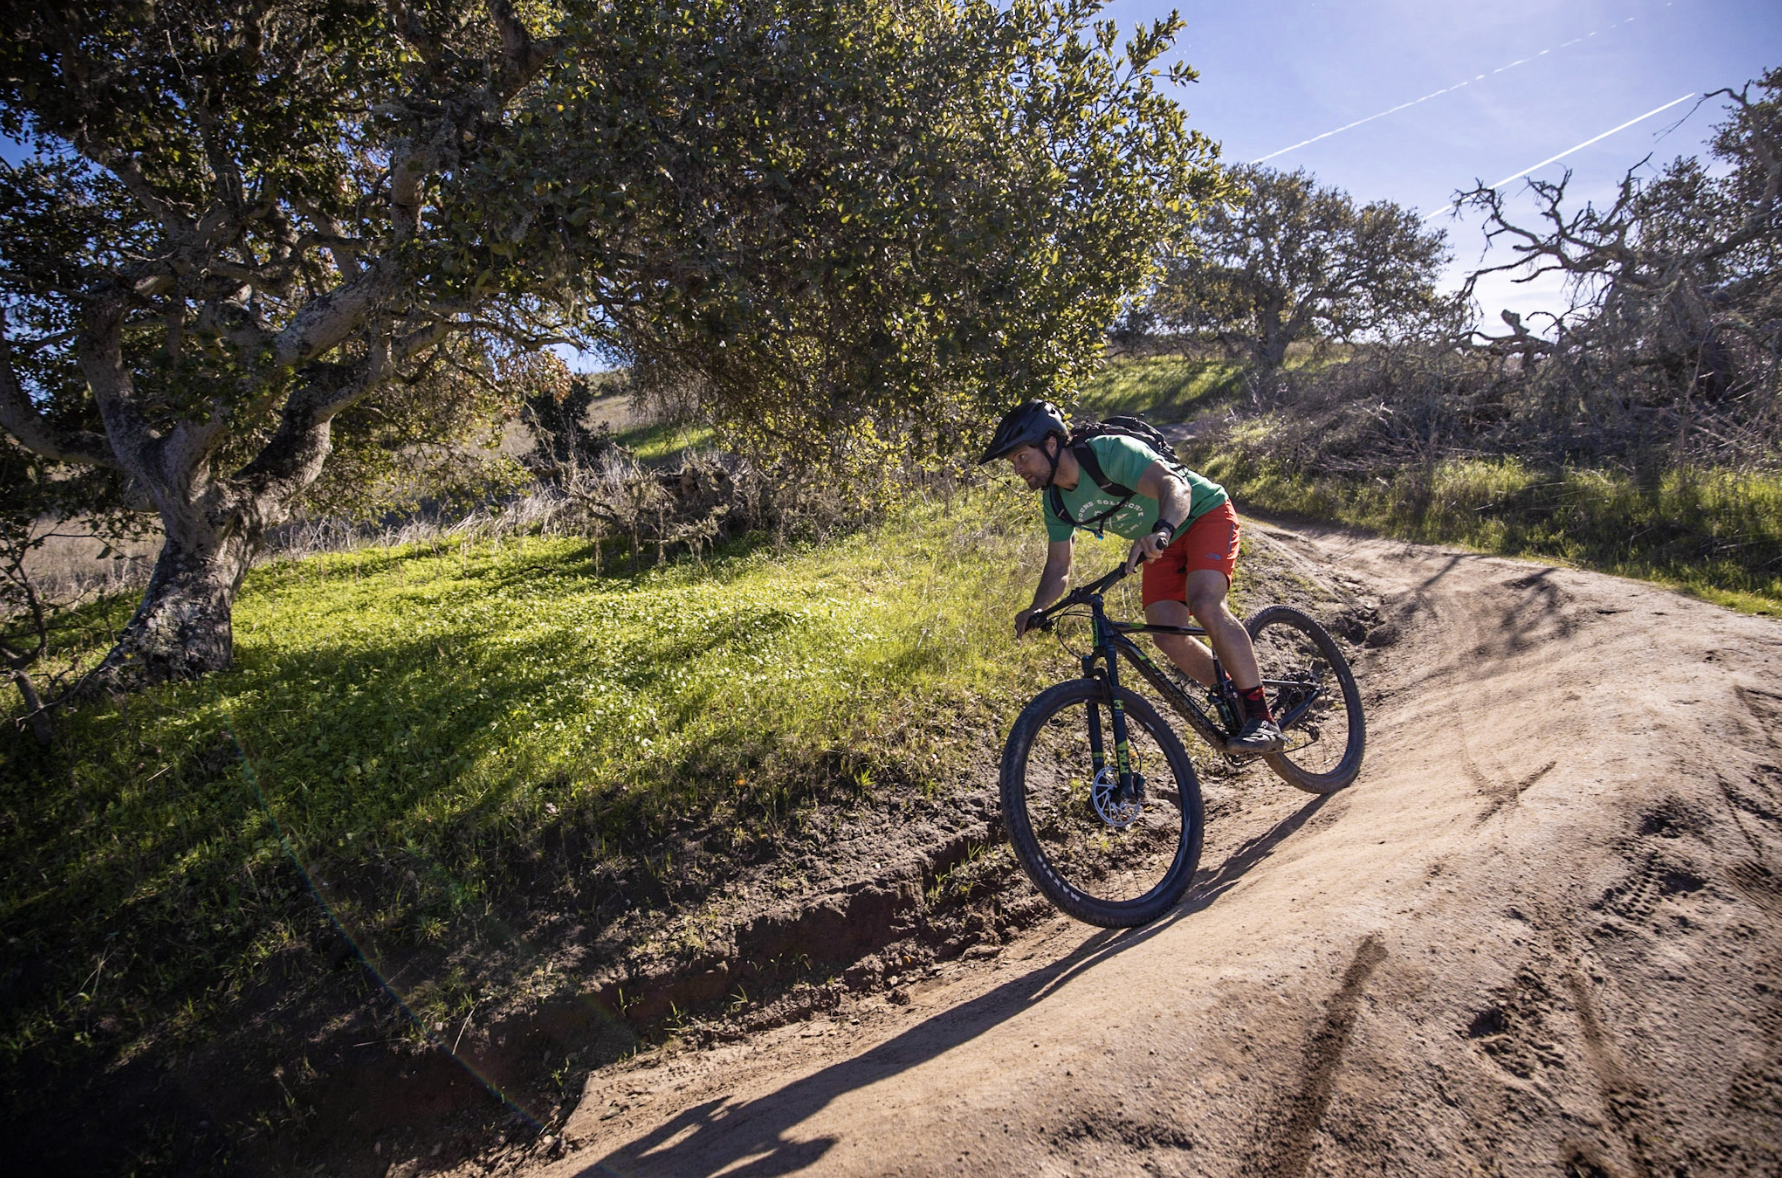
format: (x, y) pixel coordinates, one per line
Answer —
(1325, 746)
(1081, 863)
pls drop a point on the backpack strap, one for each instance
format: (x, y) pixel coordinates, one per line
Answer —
(1091, 465)
(1085, 454)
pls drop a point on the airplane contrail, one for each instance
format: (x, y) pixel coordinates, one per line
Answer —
(1580, 147)
(1433, 94)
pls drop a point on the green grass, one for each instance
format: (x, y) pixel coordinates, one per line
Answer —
(651, 443)
(1163, 388)
(1715, 534)
(455, 740)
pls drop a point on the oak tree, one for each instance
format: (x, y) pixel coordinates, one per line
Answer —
(1284, 258)
(252, 230)
(1673, 333)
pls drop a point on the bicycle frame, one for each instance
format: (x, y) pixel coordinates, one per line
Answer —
(1112, 641)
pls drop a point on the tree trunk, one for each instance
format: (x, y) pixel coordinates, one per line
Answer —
(35, 715)
(1272, 340)
(182, 628)
(213, 525)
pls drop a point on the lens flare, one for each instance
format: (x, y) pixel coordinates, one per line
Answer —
(317, 889)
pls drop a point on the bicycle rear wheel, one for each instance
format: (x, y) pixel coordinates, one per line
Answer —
(1312, 692)
(1103, 862)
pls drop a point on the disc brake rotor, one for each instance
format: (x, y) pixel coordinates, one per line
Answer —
(1103, 793)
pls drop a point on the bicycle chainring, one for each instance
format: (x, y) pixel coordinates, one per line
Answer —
(1103, 793)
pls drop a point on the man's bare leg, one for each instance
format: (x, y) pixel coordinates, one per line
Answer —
(1190, 654)
(1206, 601)
(1229, 637)
(1206, 605)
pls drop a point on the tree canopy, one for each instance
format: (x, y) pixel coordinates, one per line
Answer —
(856, 222)
(254, 230)
(1285, 259)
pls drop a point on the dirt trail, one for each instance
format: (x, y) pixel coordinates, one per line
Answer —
(1538, 936)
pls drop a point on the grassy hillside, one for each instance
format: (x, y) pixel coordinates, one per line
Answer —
(1163, 388)
(1714, 533)
(463, 751)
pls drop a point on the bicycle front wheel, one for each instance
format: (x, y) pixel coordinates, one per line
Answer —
(1312, 693)
(1104, 859)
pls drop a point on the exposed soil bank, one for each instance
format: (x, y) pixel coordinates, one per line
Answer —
(896, 886)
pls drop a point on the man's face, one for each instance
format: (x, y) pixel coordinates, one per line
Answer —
(1033, 464)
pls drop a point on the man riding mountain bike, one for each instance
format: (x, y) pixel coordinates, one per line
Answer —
(1183, 530)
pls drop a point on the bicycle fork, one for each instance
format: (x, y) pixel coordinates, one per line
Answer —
(1127, 788)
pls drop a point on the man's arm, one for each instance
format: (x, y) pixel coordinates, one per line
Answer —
(1174, 501)
(1053, 579)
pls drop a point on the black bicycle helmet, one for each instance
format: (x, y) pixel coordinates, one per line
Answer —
(1027, 424)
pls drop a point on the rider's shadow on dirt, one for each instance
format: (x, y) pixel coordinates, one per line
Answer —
(1210, 885)
(748, 1138)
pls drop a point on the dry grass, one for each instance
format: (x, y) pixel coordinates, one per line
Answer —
(70, 565)
(74, 566)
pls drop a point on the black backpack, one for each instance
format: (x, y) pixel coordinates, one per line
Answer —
(1123, 426)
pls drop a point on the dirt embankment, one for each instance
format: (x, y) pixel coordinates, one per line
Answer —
(1538, 936)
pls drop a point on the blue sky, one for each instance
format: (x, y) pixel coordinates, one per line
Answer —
(1277, 72)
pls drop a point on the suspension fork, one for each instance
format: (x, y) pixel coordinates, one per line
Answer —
(1098, 757)
(1109, 675)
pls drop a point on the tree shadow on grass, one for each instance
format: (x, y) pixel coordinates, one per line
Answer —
(749, 1138)
(404, 752)
(378, 757)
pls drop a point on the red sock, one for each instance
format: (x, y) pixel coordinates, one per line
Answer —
(1256, 704)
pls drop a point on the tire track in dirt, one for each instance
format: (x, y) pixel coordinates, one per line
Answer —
(1760, 885)
(1324, 1054)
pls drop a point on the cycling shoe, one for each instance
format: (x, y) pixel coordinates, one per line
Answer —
(1257, 736)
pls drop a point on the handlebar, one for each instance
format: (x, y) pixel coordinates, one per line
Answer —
(1042, 620)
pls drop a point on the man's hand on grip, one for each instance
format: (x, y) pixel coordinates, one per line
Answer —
(1147, 547)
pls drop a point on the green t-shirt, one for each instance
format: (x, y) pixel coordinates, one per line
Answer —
(1123, 460)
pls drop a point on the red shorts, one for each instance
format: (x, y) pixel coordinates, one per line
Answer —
(1211, 542)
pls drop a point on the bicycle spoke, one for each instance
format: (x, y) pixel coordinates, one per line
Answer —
(1313, 698)
(1123, 851)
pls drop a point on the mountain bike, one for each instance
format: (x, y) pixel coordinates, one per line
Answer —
(1114, 841)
